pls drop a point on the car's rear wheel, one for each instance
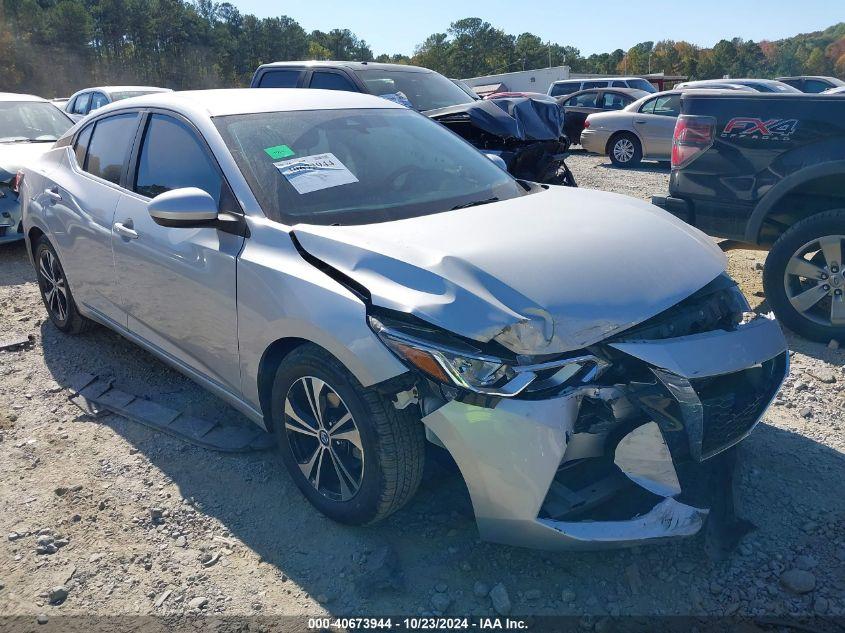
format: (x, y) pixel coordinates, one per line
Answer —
(625, 150)
(353, 455)
(804, 278)
(55, 291)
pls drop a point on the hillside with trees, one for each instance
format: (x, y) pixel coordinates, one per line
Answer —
(54, 47)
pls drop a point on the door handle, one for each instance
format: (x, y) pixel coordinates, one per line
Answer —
(53, 194)
(640, 121)
(125, 230)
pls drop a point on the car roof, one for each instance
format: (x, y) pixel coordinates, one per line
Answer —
(348, 64)
(228, 101)
(583, 79)
(632, 92)
(825, 77)
(112, 89)
(739, 82)
(14, 96)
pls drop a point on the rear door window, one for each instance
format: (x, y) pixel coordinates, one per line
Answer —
(585, 100)
(98, 100)
(81, 146)
(80, 106)
(565, 88)
(172, 157)
(612, 101)
(670, 105)
(814, 85)
(648, 106)
(282, 78)
(331, 81)
(109, 146)
(594, 84)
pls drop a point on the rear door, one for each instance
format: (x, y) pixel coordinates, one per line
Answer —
(655, 125)
(83, 198)
(179, 283)
(331, 80)
(286, 77)
(576, 109)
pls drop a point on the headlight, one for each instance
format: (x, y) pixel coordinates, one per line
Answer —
(476, 372)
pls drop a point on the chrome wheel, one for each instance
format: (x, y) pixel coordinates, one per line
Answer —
(814, 281)
(623, 150)
(324, 438)
(53, 285)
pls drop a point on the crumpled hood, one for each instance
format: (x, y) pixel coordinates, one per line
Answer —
(13, 156)
(510, 118)
(545, 273)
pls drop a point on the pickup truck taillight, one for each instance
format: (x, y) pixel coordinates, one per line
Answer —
(693, 135)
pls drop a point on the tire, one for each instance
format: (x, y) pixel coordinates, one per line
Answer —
(55, 290)
(625, 145)
(389, 464)
(824, 316)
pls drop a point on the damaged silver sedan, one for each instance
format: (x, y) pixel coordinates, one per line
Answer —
(359, 280)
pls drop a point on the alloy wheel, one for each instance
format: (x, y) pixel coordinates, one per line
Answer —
(814, 281)
(53, 285)
(623, 150)
(324, 438)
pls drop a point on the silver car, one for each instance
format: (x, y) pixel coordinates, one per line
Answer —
(359, 281)
(642, 129)
(28, 127)
(84, 101)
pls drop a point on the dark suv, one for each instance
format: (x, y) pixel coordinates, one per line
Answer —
(422, 89)
(523, 135)
(768, 171)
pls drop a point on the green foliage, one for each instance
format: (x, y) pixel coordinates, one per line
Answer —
(54, 47)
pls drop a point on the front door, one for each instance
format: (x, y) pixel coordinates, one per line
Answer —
(179, 283)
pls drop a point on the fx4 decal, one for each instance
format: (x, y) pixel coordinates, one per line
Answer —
(758, 129)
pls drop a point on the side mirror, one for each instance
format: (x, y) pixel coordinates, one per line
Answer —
(183, 208)
(497, 160)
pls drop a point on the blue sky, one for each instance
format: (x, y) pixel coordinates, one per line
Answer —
(594, 27)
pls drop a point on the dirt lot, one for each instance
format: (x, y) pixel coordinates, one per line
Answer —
(128, 521)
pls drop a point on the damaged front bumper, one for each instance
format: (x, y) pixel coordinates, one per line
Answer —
(621, 464)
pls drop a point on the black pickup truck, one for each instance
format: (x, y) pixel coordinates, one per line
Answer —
(768, 171)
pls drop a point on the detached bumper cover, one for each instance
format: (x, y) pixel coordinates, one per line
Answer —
(510, 454)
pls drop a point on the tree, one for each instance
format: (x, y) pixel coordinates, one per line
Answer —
(54, 47)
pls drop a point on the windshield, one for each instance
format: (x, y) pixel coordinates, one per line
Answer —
(359, 166)
(31, 122)
(641, 84)
(424, 90)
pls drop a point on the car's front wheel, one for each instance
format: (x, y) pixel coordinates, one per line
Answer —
(55, 291)
(804, 277)
(353, 455)
(625, 150)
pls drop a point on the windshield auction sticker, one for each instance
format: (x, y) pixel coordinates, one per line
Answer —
(312, 173)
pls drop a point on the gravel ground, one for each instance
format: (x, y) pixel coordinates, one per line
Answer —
(102, 516)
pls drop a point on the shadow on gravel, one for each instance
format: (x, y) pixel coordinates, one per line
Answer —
(15, 268)
(435, 536)
(647, 167)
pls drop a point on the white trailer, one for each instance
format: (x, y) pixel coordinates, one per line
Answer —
(537, 80)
